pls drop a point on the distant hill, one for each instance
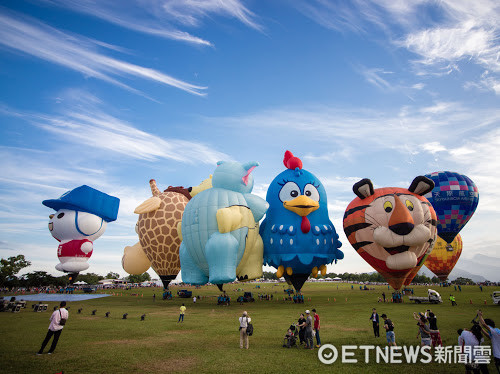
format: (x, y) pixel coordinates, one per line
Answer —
(456, 272)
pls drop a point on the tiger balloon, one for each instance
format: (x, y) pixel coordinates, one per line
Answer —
(392, 228)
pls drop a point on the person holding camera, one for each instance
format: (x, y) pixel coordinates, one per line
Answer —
(435, 334)
(423, 329)
(57, 321)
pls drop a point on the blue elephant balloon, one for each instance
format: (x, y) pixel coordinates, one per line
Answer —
(220, 229)
(454, 198)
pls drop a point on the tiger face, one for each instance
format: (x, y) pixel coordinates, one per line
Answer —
(391, 228)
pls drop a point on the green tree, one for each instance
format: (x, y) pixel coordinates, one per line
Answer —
(463, 281)
(90, 278)
(38, 279)
(10, 267)
(112, 275)
(139, 278)
(269, 275)
(435, 280)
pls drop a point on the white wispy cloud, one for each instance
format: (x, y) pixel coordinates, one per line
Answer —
(374, 77)
(86, 56)
(466, 32)
(191, 12)
(160, 17)
(90, 126)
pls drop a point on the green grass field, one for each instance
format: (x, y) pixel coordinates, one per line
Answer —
(208, 340)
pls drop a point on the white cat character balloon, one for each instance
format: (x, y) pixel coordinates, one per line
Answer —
(81, 217)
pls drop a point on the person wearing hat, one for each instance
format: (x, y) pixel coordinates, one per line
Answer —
(309, 331)
(81, 217)
(244, 321)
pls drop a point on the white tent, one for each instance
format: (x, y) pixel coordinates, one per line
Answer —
(80, 283)
(337, 279)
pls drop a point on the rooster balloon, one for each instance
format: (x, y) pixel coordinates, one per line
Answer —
(298, 236)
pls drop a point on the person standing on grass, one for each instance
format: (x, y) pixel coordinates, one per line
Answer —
(383, 295)
(181, 316)
(435, 334)
(375, 322)
(494, 334)
(309, 331)
(301, 324)
(316, 328)
(389, 330)
(57, 321)
(471, 338)
(244, 321)
(452, 299)
(423, 329)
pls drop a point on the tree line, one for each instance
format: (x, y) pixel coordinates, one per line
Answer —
(10, 267)
(362, 277)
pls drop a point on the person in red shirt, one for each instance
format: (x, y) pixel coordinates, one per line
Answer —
(316, 328)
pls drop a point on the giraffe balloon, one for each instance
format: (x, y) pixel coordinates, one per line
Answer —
(157, 227)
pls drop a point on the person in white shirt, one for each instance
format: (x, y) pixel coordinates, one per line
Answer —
(471, 338)
(57, 321)
(244, 321)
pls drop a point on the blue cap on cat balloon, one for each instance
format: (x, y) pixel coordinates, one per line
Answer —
(87, 199)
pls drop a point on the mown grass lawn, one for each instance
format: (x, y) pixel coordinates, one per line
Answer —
(208, 340)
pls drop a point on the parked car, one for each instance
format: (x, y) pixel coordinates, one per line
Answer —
(185, 293)
(247, 297)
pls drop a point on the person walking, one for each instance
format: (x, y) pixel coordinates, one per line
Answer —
(383, 295)
(316, 328)
(244, 321)
(181, 315)
(494, 334)
(309, 330)
(375, 322)
(57, 321)
(389, 330)
(452, 299)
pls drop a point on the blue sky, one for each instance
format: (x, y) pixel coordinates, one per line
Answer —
(112, 94)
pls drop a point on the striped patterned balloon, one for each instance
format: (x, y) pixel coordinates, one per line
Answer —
(454, 198)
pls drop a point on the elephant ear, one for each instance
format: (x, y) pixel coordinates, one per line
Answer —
(150, 205)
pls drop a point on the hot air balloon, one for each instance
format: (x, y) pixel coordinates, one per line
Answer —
(220, 229)
(444, 256)
(81, 218)
(454, 198)
(417, 268)
(157, 227)
(299, 238)
(391, 228)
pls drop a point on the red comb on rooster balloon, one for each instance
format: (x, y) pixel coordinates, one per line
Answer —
(292, 162)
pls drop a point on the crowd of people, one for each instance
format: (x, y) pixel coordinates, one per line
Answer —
(224, 300)
(266, 297)
(430, 336)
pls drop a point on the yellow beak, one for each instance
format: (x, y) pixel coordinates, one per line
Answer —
(301, 205)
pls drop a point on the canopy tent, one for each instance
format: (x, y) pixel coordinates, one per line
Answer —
(80, 283)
